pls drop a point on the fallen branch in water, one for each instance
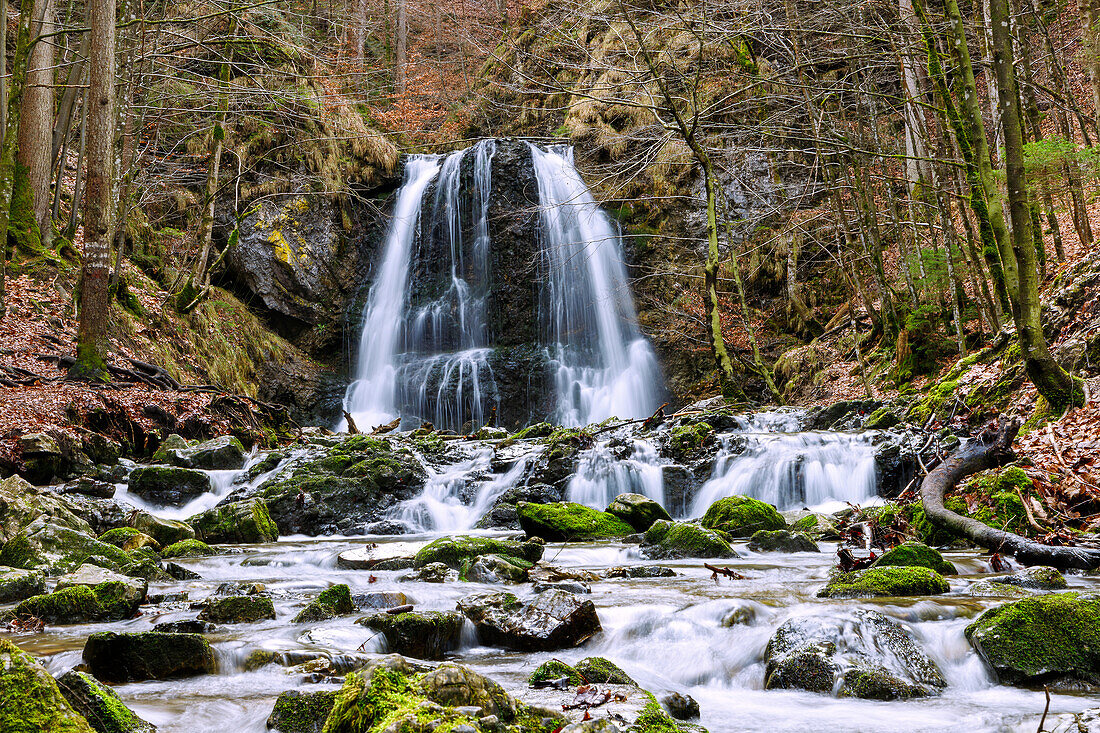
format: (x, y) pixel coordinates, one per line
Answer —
(726, 572)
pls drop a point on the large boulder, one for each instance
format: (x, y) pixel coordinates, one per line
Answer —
(915, 554)
(149, 655)
(550, 620)
(857, 654)
(222, 453)
(1038, 577)
(30, 701)
(740, 516)
(424, 635)
(165, 531)
(639, 511)
(676, 540)
(128, 539)
(21, 503)
(329, 603)
(1045, 637)
(569, 522)
(55, 549)
(884, 582)
(238, 522)
(238, 610)
(781, 540)
(301, 712)
(168, 485)
(110, 601)
(455, 552)
(100, 705)
(497, 569)
(17, 584)
(93, 576)
(188, 548)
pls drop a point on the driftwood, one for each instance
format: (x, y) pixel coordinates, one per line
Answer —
(353, 429)
(387, 428)
(993, 448)
(715, 571)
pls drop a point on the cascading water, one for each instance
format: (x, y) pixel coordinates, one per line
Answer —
(605, 471)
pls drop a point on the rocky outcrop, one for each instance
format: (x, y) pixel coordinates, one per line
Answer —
(29, 697)
(550, 620)
(147, 656)
(237, 522)
(640, 512)
(54, 549)
(22, 503)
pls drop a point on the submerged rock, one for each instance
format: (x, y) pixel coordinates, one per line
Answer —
(884, 581)
(30, 700)
(740, 516)
(639, 511)
(915, 554)
(17, 584)
(1051, 636)
(454, 552)
(781, 540)
(329, 603)
(681, 707)
(675, 540)
(569, 522)
(168, 485)
(426, 635)
(100, 705)
(238, 610)
(301, 712)
(147, 656)
(550, 620)
(239, 522)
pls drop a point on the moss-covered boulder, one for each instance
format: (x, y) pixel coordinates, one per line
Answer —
(30, 701)
(639, 511)
(553, 619)
(17, 584)
(676, 540)
(111, 601)
(238, 610)
(685, 440)
(454, 685)
(100, 705)
(781, 540)
(188, 548)
(495, 569)
(424, 635)
(21, 503)
(329, 603)
(224, 452)
(597, 670)
(1045, 637)
(168, 485)
(55, 549)
(94, 576)
(819, 527)
(554, 670)
(128, 539)
(301, 712)
(915, 554)
(454, 552)
(740, 516)
(1039, 577)
(885, 582)
(164, 531)
(569, 522)
(240, 522)
(150, 655)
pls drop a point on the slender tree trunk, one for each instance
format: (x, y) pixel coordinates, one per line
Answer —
(1090, 9)
(401, 41)
(92, 338)
(36, 120)
(15, 87)
(78, 183)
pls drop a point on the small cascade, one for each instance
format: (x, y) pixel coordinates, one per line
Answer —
(603, 366)
(604, 472)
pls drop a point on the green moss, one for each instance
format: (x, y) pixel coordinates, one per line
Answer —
(241, 522)
(806, 524)
(538, 430)
(598, 670)
(937, 401)
(329, 603)
(238, 610)
(100, 704)
(654, 719)
(188, 548)
(30, 701)
(885, 581)
(119, 536)
(564, 443)
(384, 703)
(741, 516)
(687, 438)
(454, 551)
(555, 669)
(999, 495)
(74, 605)
(673, 540)
(569, 522)
(915, 554)
(22, 225)
(301, 712)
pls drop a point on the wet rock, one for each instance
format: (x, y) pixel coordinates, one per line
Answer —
(31, 700)
(843, 415)
(188, 626)
(454, 552)
(986, 588)
(915, 554)
(1038, 577)
(188, 548)
(681, 707)
(239, 522)
(639, 511)
(505, 515)
(597, 670)
(680, 485)
(569, 586)
(54, 549)
(128, 538)
(551, 620)
(596, 725)
(556, 671)
(887, 581)
(240, 588)
(379, 600)
(329, 603)
(569, 522)
(675, 540)
(222, 453)
(740, 516)
(641, 571)
(379, 556)
(110, 601)
(178, 572)
(301, 712)
(168, 485)
(1050, 636)
(456, 686)
(424, 635)
(1086, 721)
(93, 576)
(818, 526)
(435, 572)
(165, 531)
(496, 569)
(147, 656)
(21, 504)
(684, 442)
(781, 540)
(147, 569)
(100, 705)
(87, 486)
(17, 584)
(238, 610)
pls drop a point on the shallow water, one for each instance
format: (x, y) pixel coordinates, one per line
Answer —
(667, 633)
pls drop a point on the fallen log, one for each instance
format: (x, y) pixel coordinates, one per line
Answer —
(992, 449)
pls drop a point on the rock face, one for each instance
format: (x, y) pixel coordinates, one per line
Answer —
(675, 540)
(100, 705)
(1045, 637)
(740, 516)
(915, 554)
(30, 700)
(17, 584)
(147, 656)
(238, 610)
(780, 540)
(885, 581)
(569, 522)
(168, 485)
(55, 549)
(21, 504)
(551, 620)
(640, 512)
(427, 635)
(861, 654)
(238, 522)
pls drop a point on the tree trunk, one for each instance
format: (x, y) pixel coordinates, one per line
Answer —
(36, 117)
(1090, 10)
(401, 42)
(92, 338)
(15, 86)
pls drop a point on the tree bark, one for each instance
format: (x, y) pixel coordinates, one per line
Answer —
(36, 115)
(14, 86)
(401, 42)
(989, 451)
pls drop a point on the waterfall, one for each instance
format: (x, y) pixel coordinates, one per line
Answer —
(603, 366)
(604, 472)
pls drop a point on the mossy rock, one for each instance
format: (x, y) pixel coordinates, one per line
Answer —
(597, 670)
(915, 554)
(21, 504)
(168, 485)
(1038, 577)
(999, 492)
(569, 522)
(1045, 637)
(780, 540)
(129, 539)
(111, 601)
(301, 712)
(741, 516)
(165, 531)
(238, 610)
(454, 552)
(150, 655)
(495, 569)
(100, 705)
(17, 584)
(30, 701)
(686, 439)
(675, 540)
(221, 453)
(639, 511)
(554, 669)
(538, 430)
(54, 550)
(878, 582)
(240, 522)
(188, 548)
(424, 635)
(329, 603)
